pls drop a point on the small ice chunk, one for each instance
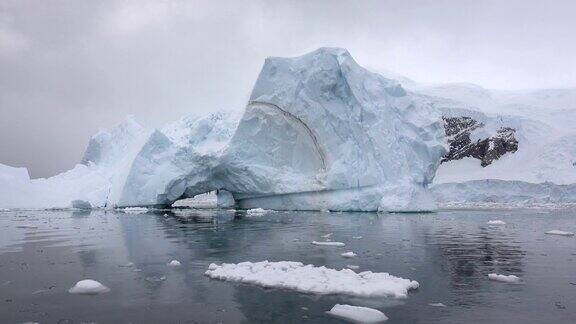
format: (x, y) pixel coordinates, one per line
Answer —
(496, 222)
(437, 305)
(503, 278)
(328, 243)
(353, 267)
(88, 287)
(127, 265)
(135, 210)
(256, 212)
(356, 237)
(174, 263)
(358, 314)
(311, 279)
(558, 232)
(348, 254)
(155, 278)
(329, 235)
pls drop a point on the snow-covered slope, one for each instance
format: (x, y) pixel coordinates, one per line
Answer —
(540, 121)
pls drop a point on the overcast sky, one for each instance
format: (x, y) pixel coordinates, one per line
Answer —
(68, 68)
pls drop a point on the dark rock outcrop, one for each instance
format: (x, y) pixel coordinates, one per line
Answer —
(458, 131)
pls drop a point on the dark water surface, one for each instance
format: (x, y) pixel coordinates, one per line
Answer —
(44, 253)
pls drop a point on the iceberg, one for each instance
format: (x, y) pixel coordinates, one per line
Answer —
(318, 133)
(108, 153)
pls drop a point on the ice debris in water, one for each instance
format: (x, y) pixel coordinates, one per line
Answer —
(496, 222)
(174, 263)
(88, 287)
(256, 212)
(328, 243)
(558, 232)
(357, 237)
(353, 267)
(311, 279)
(327, 235)
(135, 210)
(348, 254)
(358, 314)
(503, 278)
(437, 305)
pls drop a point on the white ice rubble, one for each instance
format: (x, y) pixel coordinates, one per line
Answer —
(88, 287)
(318, 133)
(348, 254)
(329, 243)
(496, 222)
(358, 314)
(503, 278)
(311, 279)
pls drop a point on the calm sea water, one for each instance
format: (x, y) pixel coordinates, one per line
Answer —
(44, 253)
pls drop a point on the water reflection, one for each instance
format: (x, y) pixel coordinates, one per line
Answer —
(449, 253)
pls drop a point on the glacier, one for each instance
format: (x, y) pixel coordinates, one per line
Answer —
(319, 133)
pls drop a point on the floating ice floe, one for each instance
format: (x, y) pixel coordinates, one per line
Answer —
(496, 222)
(503, 278)
(174, 263)
(328, 243)
(311, 279)
(558, 232)
(436, 305)
(356, 237)
(135, 210)
(358, 314)
(348, 254)
(327, 235)
(88, 287)
(353, 267)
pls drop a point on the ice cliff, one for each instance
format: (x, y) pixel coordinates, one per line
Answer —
(319, 132)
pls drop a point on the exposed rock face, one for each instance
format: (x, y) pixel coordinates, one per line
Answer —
(458, 131)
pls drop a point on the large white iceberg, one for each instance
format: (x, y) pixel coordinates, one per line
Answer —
(319, 133)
